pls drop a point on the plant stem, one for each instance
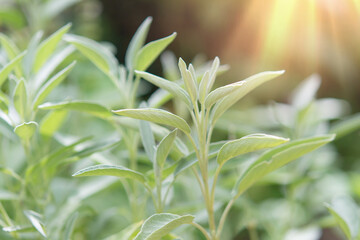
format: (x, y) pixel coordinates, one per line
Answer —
(223, 217)
(204, 232)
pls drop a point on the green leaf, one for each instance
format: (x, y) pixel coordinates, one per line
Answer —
(26, 130)
(157, 116)
(164, 148)
(69, 227)
(305, 93)
(109, 170)
(220, 93)
(6, 195)
(344, 127)
(136, 43)
(248, 85)
(147, 139)
(147, 54)
(82, 106)
(11, 50)
(6, 70)
(159, 225)
(52, 122)
(51, 65)
(47, 47)
(96, 53)
(20, 98)
(169, 86)
(32, 48)
(189, 80)
(35, 220)
(51, 84)
(346, 214)
(249, 143)
(208, 80)
(278, 157)
(127, 233)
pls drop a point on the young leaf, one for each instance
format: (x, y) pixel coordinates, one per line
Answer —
(11, 50)
(69, 227)
(136, 43)
(20, 98)
(51, 65)
(109, 170)
(188, 79)
(26, 130)
(127, 233)
(28, 61)
(305, 93)
(157, 116)
(220, 93)
(52, 122)
(147, 139)
(169, 65)
(208, 80)
(6, 70)
(96, 53)
(51, 84)
(159, 225)
(248, 85)
(249, 143)
(48, 46)
(278, 157)
(203, 87)
(164, 148)
(147, 54)
(346, 214)
(82, 106)
(171, 87)
(35, 220)
(347, 126)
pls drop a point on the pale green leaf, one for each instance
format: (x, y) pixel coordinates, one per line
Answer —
(189, 81)
(248, 85)
(26, 130)
(157, 116)
(159, 225)
(346, 214)
(344, 127)
(11, 50)
(109, 170)
(32, 48)
(305, 93)
(220, 93)
(82, 106)
(127, 233)
(169, 66)
(51, 84)
(6, 70)
(35, 220)
(20, 98)
(203, 91)
(96, 53)
(52, 122)
(69, 226)
(278, 157)
(6, 195)
(249, 143)
(147, 54)
(136, 43)
(169, 86)
(50, 65)
(164, 148)
(48, 46)
(147, 138)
